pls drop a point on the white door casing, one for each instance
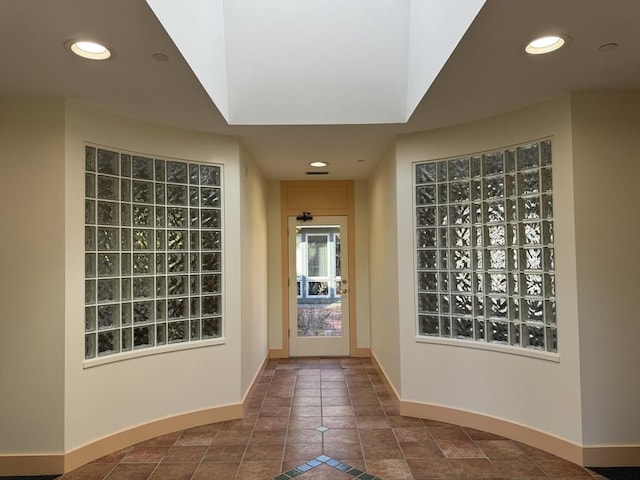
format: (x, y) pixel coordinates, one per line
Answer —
(318, 286)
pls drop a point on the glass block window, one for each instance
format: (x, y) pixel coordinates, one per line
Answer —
(485, 264)
(153, 252)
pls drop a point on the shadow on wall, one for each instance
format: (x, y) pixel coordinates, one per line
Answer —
(618, 473)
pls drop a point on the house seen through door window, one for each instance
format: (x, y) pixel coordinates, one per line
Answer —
(318, 281)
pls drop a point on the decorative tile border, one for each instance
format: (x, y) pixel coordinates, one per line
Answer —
(323, 459)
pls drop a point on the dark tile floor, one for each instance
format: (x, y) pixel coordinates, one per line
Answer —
(328, 419)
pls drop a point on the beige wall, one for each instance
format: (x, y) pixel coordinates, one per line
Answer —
(32, 268)
(383, 268)
(51, 404)
(274, 246)
(52, 401)
(606, 149)
(361, 223)
(105, 399)
(254, 270)
(541, 394)
(275, 264)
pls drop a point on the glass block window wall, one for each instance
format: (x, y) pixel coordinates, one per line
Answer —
(153, 252)
(484, 248)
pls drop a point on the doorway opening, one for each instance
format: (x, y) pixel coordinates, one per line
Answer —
(318, 297)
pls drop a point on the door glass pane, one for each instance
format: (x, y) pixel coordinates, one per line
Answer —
(319, 312)
(317, 247)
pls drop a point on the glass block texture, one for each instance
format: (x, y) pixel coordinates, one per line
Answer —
(153, 252)
(485, 263)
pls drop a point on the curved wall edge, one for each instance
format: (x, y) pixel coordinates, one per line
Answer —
(20, 465)
(592, 455)
(506, 428)
(63, 463)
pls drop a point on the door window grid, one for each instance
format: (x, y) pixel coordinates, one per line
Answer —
(318, 265)
(153, 252)
(338, 275)
(318, 304)
(485, 260)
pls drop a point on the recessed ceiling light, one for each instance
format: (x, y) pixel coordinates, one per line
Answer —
(87, 49)
(318, 164)
(546, 44)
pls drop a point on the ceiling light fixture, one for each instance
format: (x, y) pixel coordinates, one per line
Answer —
(546, 44)
(87, 49)
(318, 164)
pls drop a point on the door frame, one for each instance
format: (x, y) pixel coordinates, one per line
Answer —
(321, 198)
(334, 346)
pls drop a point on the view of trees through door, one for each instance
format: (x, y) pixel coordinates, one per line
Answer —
(318, 281)
(318, 293)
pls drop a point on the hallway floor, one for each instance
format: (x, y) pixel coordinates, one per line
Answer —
(328, 419)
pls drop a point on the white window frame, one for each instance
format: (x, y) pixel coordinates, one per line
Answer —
(157, 294)
(478, 318)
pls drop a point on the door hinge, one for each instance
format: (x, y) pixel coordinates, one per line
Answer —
(289, 333)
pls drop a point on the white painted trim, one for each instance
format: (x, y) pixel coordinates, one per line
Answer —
(42, 464)
(385, 378)
(523, 352)
(254, 381)
(94, 362)
(588, 456)
(506, 428)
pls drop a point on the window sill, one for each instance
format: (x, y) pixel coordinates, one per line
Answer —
(523, 352)
(95, 362)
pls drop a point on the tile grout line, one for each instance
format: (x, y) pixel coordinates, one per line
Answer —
(324, 459)
(322, 414)
(203, 456)
(386, 415)
(355, 419)
(246, 446)
(353, 376)
(109, 472)
(286, 434)
(157, 464)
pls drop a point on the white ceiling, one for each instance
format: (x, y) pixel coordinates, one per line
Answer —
(308, 62)
(487, 73)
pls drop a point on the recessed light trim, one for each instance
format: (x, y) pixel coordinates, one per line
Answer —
(318, 164)
(547, 44)
(88, 49)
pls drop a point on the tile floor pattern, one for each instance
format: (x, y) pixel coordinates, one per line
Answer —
(338, 412)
